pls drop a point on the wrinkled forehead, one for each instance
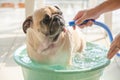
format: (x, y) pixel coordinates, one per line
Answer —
(45, 10)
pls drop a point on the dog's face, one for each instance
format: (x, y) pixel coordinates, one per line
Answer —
(47, 20)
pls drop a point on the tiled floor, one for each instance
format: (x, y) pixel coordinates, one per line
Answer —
(11, 37)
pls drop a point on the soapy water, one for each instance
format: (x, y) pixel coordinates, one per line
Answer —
(93, 56)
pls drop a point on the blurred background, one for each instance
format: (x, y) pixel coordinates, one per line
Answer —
(13, 14)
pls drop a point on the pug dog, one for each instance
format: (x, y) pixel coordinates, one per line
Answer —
(48, 40)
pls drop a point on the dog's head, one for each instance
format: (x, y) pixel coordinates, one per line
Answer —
(47, 20)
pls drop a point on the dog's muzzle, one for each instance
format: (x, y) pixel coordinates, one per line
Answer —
(54, 24)
(57, 21)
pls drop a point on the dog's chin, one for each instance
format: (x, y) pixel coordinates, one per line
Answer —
(56, 34)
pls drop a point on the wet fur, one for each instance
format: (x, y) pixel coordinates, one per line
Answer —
(43, 48)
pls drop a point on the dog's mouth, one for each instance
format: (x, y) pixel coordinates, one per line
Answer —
(55, 25)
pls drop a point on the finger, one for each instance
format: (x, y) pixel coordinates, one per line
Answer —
(113, 44)
(76, 17)
(82, 26)
(89, 23)
(116, 41)
(79, 14)
(117, 36)
(79, 21)
(111, 49)
(112, 53)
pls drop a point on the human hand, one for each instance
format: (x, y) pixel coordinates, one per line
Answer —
(84, 15)
(115, 47)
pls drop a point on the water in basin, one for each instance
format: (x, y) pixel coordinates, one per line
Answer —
(94, 56)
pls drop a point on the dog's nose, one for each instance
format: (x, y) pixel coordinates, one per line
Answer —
(56, 18)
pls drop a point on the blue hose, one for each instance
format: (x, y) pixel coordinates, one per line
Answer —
(100, 24)
(106, 28)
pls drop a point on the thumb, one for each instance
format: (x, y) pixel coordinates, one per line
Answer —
(79, 14)
(80, 20)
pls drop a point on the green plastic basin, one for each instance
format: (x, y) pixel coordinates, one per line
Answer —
(88, 68)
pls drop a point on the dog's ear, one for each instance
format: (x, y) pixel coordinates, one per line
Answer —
(56, 6)
(27, 23)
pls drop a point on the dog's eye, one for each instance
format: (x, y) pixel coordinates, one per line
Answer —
(46, 19)
(60, 13)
